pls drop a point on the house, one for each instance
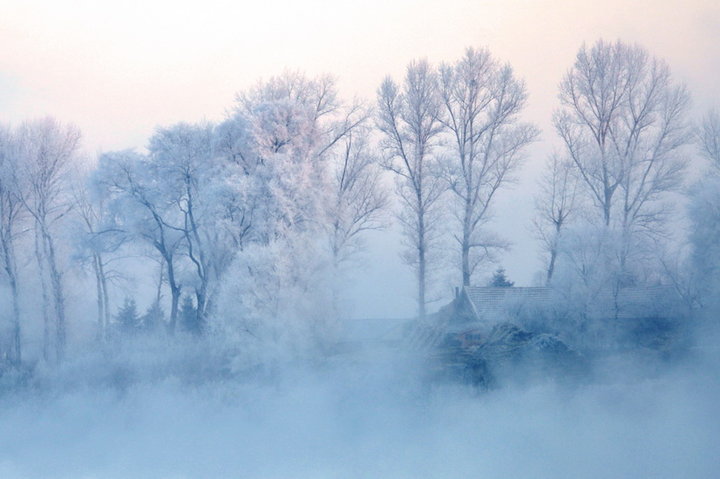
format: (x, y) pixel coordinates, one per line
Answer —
(645, 316)
(638, 314)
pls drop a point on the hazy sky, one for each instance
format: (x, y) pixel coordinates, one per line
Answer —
(119, 69)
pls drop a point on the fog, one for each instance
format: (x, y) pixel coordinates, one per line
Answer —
(334, 241)
(372, 416)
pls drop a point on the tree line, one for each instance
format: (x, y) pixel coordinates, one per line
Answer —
(251, 221)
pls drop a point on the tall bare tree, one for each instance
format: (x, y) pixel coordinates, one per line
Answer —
(481, 102)
(47, 151)
(710, 138)
(95, 246)
(138, 206)
(11, 213)
(182, 157)
(622, 121)
(408, 120)
(699, 282)
(360, 200)
(555, 204)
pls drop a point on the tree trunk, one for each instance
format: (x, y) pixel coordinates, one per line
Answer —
(551, 266)
(100, 334)
(200, 262)
(465, 246)
(16, 347)
(158, 292)
(105, 294)
(45, 297)
(102, 297)
(421, 268)
(175, 300)
(465, 251)
(58, 296)
(465, 264)
(16, 336)
(607, 204)
(175, 295)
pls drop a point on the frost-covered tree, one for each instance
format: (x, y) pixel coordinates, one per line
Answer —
(294, 125)
(311, 160)
(622, 121)
(46, 152)
(138, 205)
(181, 158)
(710, 138)
(11, 217)
(281, 146)
(555, 204)
(481, 103)
(94, 248)
(408, 121)
(276, 298)
(586, 258)
(238, 194)
(704, 213)
(360, 200)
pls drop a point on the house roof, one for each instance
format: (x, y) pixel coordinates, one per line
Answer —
(493, 303)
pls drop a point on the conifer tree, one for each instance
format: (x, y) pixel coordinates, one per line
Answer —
(127, 319)
(153, 318)
(500, 280)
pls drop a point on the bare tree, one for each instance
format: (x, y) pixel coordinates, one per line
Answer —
(481, 103)
(360, 200)
(182, 157)
(710, 138)
(91, 219)
(96, 246)
(408, 120)
(622, 121)
(700, 276)
(137, 206)
(10, 227)
(47, 150)
(555, 204)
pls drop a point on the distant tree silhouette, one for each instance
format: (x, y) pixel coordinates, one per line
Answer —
(127, 318)
(189, 320)
(153, 318)
(499, 280)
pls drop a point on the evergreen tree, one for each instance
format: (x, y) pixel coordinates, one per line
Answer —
(153, 318)
(127, 319)
(499, 280)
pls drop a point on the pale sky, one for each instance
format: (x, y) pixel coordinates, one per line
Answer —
(119, 69)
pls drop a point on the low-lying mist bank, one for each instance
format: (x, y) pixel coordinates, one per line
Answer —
(195, 411)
